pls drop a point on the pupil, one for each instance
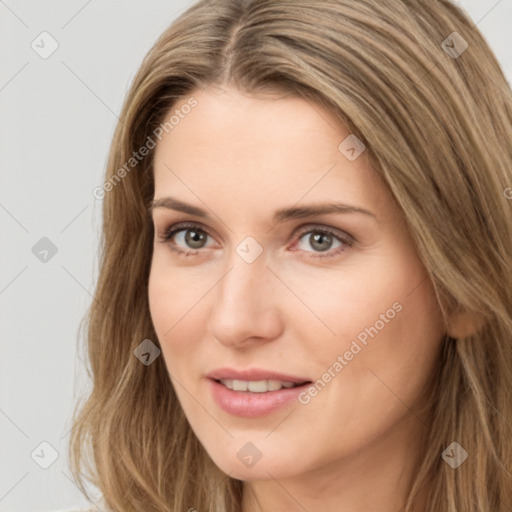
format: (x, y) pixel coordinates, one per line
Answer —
(319, 238)
(194, 237)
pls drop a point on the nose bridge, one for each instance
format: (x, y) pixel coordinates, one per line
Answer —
(242, 286)
(243, 303)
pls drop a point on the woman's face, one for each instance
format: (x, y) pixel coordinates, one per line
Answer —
(276, 286)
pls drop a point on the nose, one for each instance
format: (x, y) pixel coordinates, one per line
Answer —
(246, 309)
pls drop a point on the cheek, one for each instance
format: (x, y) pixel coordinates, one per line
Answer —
(339, 305)
(168, 303)
(385, 319)
(179, 310)
(390, 346)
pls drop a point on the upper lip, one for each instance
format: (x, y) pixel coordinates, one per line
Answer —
(253, 374)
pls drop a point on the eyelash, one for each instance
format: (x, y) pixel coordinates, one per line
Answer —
(172, 230)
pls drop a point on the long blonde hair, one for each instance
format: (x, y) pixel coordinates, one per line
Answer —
(437, 126)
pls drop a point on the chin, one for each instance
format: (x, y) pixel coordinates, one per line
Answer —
(241, 467)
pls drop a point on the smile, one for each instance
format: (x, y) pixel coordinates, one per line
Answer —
(254, 398)
(257, 386)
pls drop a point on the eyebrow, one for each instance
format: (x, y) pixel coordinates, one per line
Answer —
(281, 215)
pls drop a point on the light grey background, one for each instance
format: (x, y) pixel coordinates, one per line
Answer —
(58, 118)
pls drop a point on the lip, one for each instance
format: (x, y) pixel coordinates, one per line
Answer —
(248, 404)
(254, 374)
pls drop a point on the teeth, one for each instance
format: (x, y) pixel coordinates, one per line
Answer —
(240, 385)
(274, 385)
(256, 386)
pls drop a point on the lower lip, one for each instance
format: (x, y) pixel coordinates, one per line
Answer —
(251, 405)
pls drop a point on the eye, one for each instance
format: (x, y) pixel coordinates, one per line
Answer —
(322, 240)
(186, 239)
(188, 235)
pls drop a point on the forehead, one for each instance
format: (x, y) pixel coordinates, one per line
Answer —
(254, 150)
(233, 126)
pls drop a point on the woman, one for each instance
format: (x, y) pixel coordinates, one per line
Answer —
(305, 293)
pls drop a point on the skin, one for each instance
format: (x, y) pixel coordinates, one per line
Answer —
(353, 447)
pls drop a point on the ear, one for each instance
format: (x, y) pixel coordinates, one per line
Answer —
(464, 323)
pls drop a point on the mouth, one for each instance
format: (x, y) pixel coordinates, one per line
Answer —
(259, 386)
(254, 393)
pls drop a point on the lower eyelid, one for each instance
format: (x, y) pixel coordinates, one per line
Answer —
(168, 237)
(347, 242)
(332, 252)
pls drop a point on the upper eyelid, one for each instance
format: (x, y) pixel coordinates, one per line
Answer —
(339, 234)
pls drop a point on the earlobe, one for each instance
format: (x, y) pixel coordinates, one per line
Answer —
(464, 323)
